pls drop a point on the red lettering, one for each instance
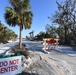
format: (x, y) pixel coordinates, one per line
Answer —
(5, 63)
(13, 68)
(5, 69)
(2, 70)
(8, 69)
(1, 64)
(13, 62)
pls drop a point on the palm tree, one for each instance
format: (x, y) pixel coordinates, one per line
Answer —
(32, 33)
(19, 14)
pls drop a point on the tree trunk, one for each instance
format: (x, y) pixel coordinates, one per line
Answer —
(20, 39)
(65, 35)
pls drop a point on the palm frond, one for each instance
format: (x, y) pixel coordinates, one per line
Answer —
(10, 16)
(27, 19)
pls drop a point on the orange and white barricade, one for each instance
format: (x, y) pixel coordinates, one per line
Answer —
(50, 43)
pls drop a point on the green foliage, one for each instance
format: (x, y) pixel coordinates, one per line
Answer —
(51, 30)
(48, 34)
(40, 36)
(19, 14)
(65, 17)
(27, 37)
(6, 34)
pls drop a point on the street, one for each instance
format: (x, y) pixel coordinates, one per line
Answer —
(64, 58)
(6, 47)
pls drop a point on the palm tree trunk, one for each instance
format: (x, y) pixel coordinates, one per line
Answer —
(20, 39)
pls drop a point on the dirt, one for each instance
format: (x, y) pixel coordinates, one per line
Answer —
(22, 51)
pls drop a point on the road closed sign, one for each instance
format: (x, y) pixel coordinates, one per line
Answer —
(10, 66)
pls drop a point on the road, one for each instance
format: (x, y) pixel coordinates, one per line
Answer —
(63, 59)
(5, 47)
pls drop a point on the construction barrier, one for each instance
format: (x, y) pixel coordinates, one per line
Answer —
(50, 43)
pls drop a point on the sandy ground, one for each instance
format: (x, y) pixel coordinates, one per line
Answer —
(63, 59)
(5, 47)
(54, 62)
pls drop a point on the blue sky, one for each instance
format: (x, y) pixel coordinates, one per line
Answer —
(41, 10)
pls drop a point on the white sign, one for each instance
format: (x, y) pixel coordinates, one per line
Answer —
(10, 66)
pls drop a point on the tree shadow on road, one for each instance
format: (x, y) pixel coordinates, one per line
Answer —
(26, 73)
